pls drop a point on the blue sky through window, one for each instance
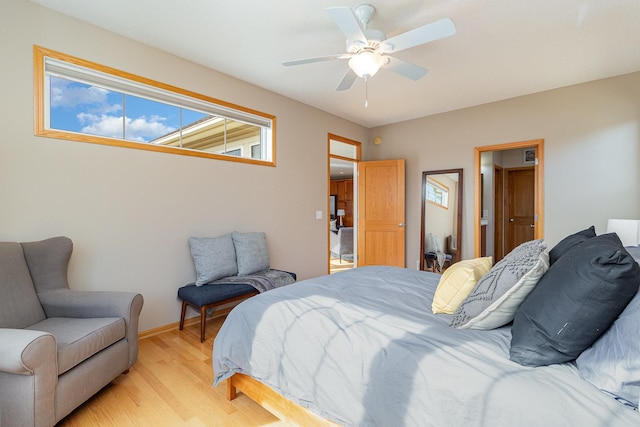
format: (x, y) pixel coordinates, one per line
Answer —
(83, 108)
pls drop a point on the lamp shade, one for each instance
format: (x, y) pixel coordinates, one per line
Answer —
(366, 64)
(628, 230)
(341, 212)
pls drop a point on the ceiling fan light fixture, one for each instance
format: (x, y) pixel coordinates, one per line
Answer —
(366, 64)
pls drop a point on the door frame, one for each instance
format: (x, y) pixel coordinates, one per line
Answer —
(498, 211)
(538, 144)
(358, 155)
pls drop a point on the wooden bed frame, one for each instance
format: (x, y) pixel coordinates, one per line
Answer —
(273, 402)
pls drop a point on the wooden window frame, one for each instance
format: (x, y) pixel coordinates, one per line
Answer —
(41, 53)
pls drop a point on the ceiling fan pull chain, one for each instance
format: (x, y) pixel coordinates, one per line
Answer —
(366, 92)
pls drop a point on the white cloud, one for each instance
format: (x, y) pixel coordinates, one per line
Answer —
(65, 93)
(139, 129)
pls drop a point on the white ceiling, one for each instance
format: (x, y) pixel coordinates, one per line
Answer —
(502, 49)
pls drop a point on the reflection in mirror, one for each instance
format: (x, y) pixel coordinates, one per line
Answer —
(441, 231)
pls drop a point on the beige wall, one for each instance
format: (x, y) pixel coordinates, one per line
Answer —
(592, 153)
(130, 212)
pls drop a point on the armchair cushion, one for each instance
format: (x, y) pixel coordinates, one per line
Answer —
(19, 305)
(48, 261)
(85, 304)
(79, 339)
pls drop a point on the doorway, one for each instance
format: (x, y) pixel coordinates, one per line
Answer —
(509, 196)
(344, 155)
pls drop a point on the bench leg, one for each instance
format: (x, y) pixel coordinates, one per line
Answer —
(203, 322)
(184, 311)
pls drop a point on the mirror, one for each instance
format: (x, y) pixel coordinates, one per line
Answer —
(441, 230)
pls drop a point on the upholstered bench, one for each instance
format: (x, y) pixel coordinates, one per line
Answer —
(229, 268)
(205, 297)
(432, 263)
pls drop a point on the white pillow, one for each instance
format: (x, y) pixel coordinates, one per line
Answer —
(433, 243)
(497, 296)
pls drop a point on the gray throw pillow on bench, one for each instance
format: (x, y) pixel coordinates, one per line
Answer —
(251, 252)
(213, 258)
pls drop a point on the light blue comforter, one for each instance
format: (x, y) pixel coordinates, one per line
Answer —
(362, 348)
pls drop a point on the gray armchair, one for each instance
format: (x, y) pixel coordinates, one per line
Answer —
(58, 347)
(342, 243)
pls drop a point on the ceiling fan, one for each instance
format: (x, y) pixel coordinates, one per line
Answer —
(368, 49)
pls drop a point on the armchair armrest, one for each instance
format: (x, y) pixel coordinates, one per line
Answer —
(28, 377)
(68, 303)
(23, 351)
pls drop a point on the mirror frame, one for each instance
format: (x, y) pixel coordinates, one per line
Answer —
(425, 174)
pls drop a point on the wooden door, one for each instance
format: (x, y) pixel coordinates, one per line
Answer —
(498, 206)
(519, 207)
(381, 227)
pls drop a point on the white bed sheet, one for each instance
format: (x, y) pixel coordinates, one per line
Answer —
(362, 348)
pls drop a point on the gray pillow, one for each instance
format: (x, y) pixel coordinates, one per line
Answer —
(433, 243)
(496, 297)
(574, 303)
(634, 251)
(213, 258)
(613, 362)
(570, 241)
(251, 252)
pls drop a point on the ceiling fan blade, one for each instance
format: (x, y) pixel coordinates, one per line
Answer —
(347, 81)
(348, 23)
(317, 59)
(421, 35)
(405, 69)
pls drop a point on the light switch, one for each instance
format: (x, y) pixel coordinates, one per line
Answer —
(318, 214)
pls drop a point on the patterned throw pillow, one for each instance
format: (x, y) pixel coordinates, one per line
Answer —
(496, 297)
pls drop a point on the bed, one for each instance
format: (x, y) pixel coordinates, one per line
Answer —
(363, 348)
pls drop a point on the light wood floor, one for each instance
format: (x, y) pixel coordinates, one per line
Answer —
(171, 384)
(335, 265)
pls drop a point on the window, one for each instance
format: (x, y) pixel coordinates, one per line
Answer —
(255, 151)
(82, 101)
(437, 193)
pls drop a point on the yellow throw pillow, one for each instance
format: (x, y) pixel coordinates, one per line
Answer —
(457, 282)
